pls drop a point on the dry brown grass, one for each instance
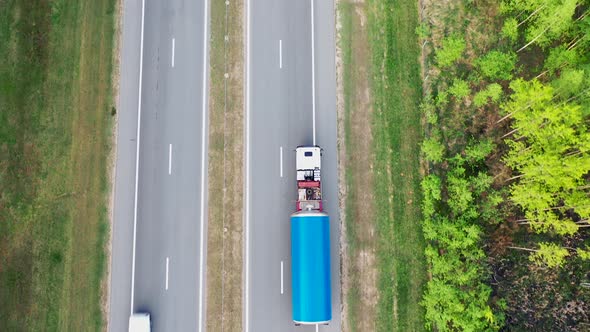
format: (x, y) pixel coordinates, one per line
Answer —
(224, 243)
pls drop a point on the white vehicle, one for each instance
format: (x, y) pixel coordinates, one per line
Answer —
(140, 322)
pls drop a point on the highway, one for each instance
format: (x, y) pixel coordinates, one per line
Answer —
(160, 180)
(290, 94)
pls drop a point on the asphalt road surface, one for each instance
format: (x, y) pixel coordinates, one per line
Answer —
(285, 65)
(170, 190)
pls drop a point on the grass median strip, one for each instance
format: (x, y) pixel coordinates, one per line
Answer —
(56, 100)
(224, 242)
(385, 269)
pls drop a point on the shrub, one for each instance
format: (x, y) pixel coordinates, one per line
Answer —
(459, 89)
(452, 48)
(569, 83)
(497, 65)
(510, 29)
(429, 111)
(432, 194)
(433, 150)
(479, 151)
(560, 57)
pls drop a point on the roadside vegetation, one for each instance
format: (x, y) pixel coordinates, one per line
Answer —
(506, 201)
(56, 120)
(384, 269)
(226, 155)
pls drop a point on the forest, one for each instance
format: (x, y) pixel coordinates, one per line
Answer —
(506, 156)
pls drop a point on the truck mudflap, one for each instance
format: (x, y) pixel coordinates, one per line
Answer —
(310, 267)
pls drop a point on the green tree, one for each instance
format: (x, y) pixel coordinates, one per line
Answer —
(457, 297)
(497, 65)
(433, 150)
(510, 29)
(550, 150)
(431, 188)
(584, 253)
(549, 254)
(492, 92)
(423, 31)
(459, 189)
(451, 49)
(561, 57)
(442, 99)
(569, 83)
(479, 151)
(545, 20)
(459, 89)
(429, 111)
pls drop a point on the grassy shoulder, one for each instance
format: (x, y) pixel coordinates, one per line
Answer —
(385, 268)
(55, 141)
(224, 242)
(358, 264)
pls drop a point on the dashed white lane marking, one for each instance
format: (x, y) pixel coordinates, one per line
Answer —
(281, 160)
(167, 269)
(170, 159)
(280, 53)
(173, 47)
(281, 277)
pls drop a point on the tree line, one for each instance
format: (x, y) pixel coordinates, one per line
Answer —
(508, 155)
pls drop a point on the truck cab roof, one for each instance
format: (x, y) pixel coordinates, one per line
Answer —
(307, 158)
(140, 322)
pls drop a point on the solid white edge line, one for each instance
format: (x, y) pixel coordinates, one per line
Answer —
(247, 175)
(203, 156)
(281, 161)
(280, 53)
(167, 269)
(313, 69)
(173, 47)
(137, 156)
(170, 159)
(282, 277)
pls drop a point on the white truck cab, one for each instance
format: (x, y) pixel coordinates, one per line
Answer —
(140, 322)
(308, 162)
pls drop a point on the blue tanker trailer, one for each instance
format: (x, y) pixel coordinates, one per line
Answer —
(310, 244)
